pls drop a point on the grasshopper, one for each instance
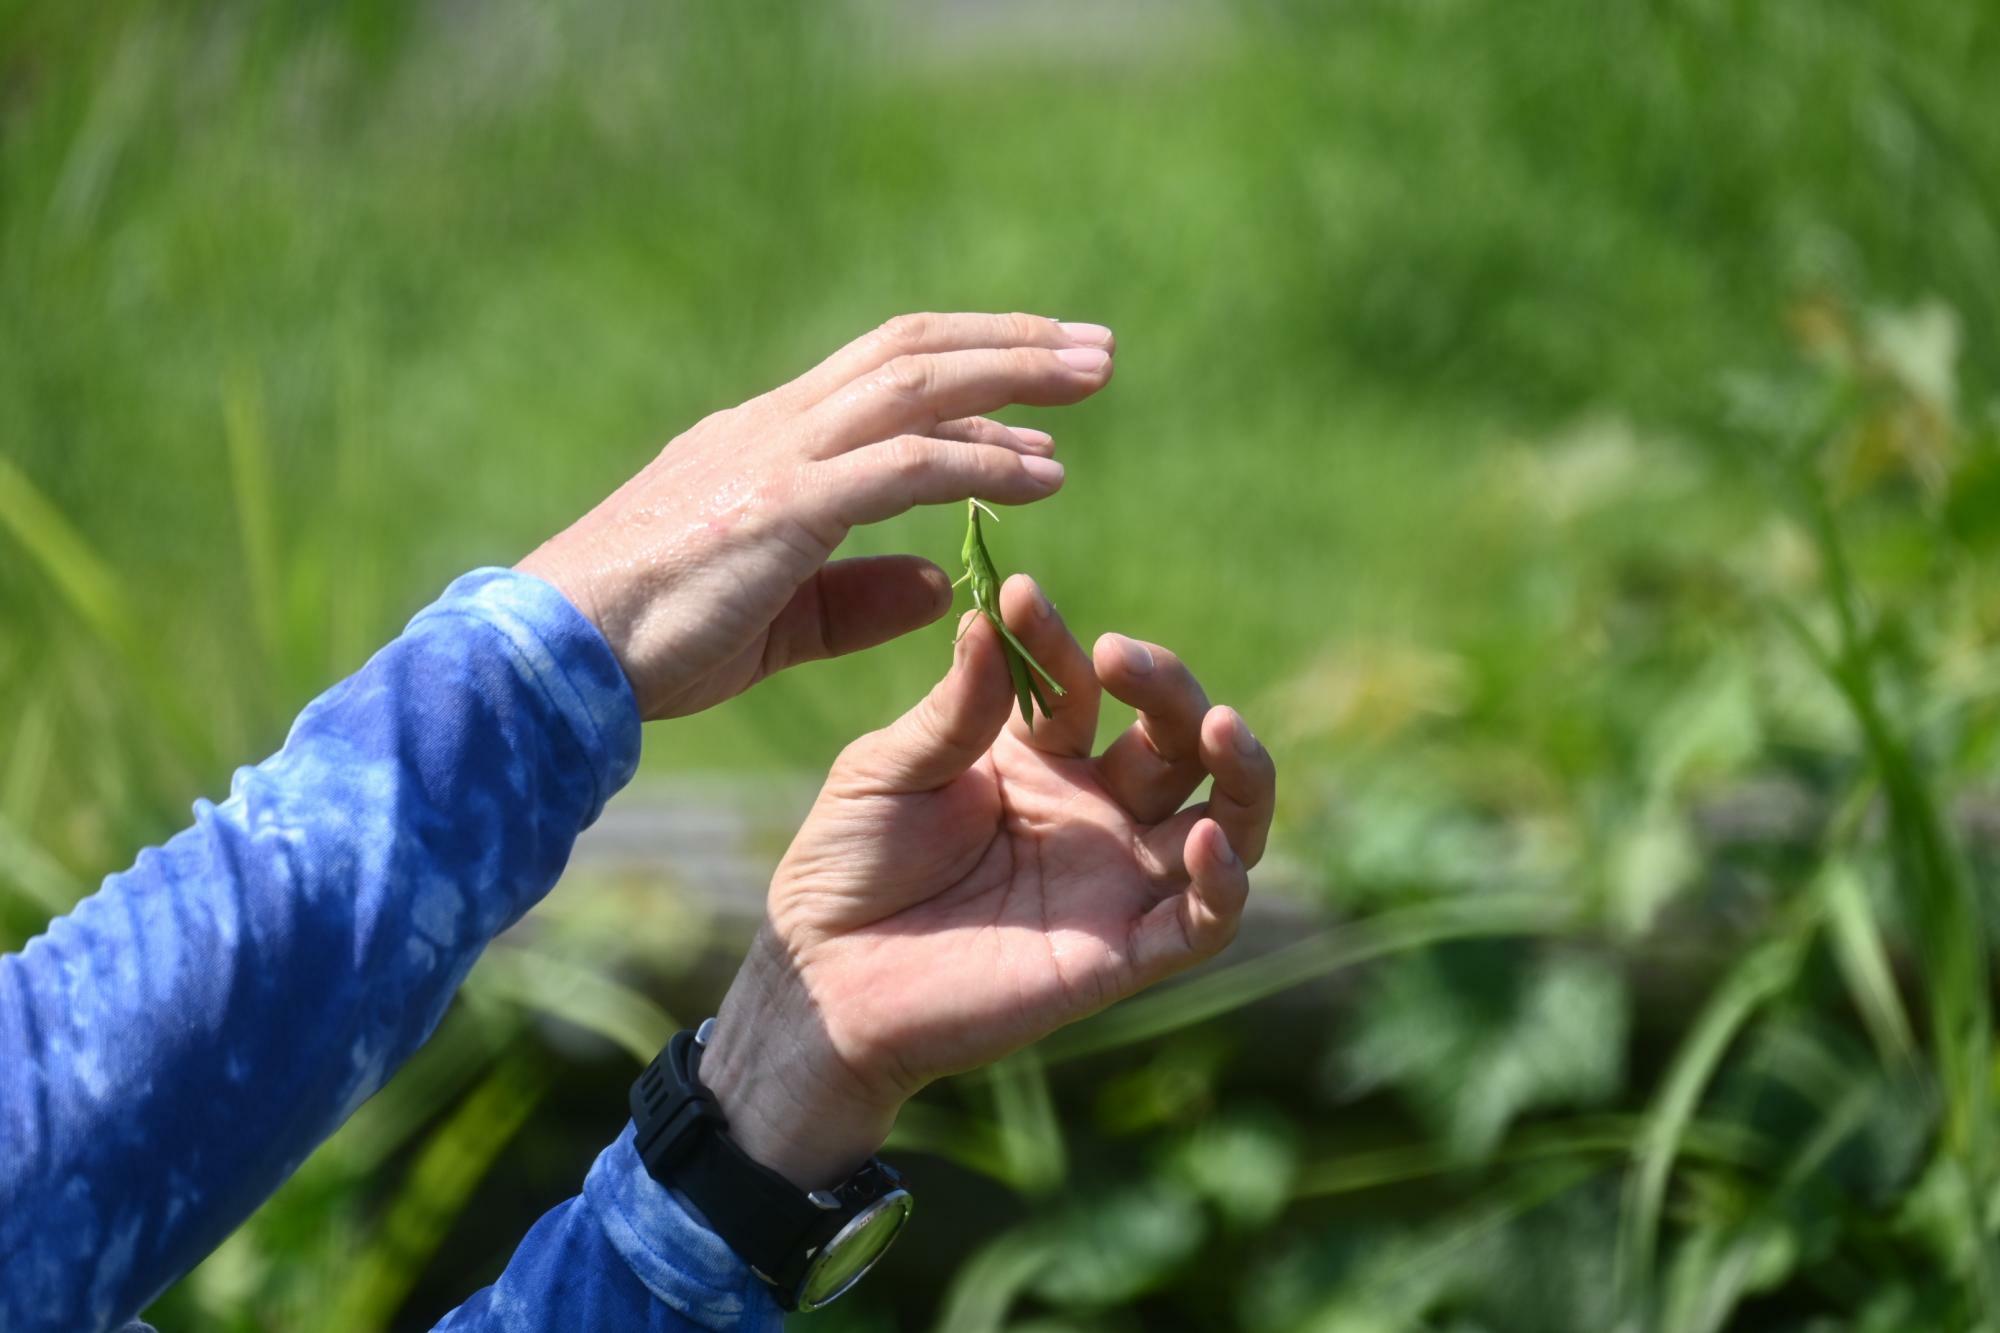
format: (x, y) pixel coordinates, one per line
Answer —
(985, 583)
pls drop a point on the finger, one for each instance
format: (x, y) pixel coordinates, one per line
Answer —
(883, 480)
(1202, 918)
(1242, 800)
(1155, 764)
(854, 604)
(1245, 793)
(915, 334)
(912, 394)
(946, 733)
(981, 430)
(1071, 724)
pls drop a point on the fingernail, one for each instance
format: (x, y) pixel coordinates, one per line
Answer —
(1045, 471)
(1035, 439)
(1246, 743)
(1083, 358)
(1138, 657)
(1086, 333)
(1223, 851)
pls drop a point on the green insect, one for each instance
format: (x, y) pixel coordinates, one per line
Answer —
(985, 581)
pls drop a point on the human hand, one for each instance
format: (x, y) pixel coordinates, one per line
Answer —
(708, 570)
(964, 886)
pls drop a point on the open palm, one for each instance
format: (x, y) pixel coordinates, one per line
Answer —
(965, 885)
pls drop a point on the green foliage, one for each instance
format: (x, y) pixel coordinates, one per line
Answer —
(1475, 1036)
(1574, 476)
(984, 581)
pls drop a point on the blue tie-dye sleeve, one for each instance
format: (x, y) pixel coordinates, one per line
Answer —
(624, 1255)
(175, 1046)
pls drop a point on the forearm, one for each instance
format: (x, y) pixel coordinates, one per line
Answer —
(624, 1255)
(184, 1038)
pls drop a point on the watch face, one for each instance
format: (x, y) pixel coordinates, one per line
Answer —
(854, 1250)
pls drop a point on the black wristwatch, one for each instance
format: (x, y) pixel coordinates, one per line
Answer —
(810, 1247)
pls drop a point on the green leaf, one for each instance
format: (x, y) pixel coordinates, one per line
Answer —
(1244, 1163)
(1108, 1251)
(1473, 1036)
(984, 581)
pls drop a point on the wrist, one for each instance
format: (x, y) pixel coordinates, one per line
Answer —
(791, 1104)
(556, 564)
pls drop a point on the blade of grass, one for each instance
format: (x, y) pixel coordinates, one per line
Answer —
(1224, 989)
(95, 595)
(1759, 976)
(32, 750)
(1514, 1200)
(544, 983)
(1943, 906)
(465, 1045)
(1864, 960)
(84, 581)
(355, 600)
(1498, 1208)
(440, 1182)
(923, 1126)
(988, 1283)
(249, 450)
(36, 875)
(1713, 1298)
(1585, 1136)
(1031, 1137)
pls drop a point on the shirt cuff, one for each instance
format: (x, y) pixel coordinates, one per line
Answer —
(565, 657)
(685, 1265)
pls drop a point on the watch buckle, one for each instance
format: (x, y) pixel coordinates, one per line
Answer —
(668, 1115)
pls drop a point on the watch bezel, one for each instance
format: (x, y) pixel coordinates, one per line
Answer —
(898, 1199)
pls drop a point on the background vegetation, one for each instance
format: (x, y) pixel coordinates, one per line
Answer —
(1569, 427)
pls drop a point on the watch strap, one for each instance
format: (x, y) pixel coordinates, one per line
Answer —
(682, 1137)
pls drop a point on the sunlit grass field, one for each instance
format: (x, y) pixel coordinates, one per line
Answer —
(1457, 407)
(305, 314)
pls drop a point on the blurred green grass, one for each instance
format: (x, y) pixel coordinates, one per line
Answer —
(453, 273)
(1438, 322)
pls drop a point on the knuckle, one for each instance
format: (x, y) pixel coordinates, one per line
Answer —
(907, 332)
(716, 423)
(909, 456)
(1033, 362)
(1026, 328)
(910, 377)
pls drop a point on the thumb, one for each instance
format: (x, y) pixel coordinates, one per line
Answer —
(947, 732)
